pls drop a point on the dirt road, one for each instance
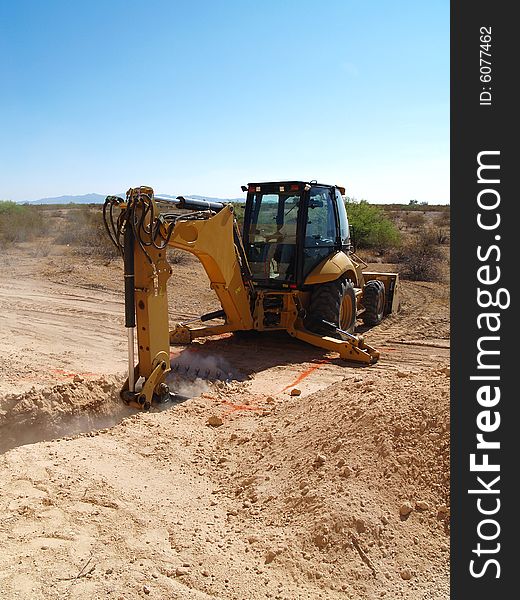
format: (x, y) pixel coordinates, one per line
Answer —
(291, 497)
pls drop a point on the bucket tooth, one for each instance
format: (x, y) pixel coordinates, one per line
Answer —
(200, 369)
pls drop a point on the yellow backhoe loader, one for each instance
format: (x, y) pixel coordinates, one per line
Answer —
(290, 266)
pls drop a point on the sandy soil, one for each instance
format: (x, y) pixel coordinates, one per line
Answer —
(341, 492)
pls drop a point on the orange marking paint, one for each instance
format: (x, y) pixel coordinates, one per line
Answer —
(237, 407)
(305, 374)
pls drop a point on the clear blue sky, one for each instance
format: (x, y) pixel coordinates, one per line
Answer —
(201, 97)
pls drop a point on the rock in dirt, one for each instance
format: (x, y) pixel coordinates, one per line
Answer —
(320, 540)
(422, 505)
(296, 392)
(320, 460)
(215, 421)
(405, 509)
(346, 472)
(361, 526)
(406, 573)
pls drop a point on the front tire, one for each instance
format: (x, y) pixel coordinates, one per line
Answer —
(334, 302)
(374, 302)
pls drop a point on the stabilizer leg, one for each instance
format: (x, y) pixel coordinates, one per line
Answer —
(353, 349)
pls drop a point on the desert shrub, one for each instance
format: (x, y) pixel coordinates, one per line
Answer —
(421, 258)
(424, 208)
(372, 228)
(443, 219)
(442, 235)
(176, 256)
(20, 222)
(85, 231)
(416, 205)
(413, 219)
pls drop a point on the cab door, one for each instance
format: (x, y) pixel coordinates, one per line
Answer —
(344, 230)
(270, 234)
(322, 231)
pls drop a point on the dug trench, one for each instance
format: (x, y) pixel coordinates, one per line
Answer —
(88, 405)
(243, 491)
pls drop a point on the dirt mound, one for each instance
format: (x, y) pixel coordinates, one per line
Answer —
(346, 491)
(342, 493)
(64, 409)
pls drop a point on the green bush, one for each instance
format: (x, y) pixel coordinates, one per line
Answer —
(372, 228)
(20, 222)
(239, 208)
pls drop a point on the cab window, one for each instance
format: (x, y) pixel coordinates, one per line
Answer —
(343, 220)
(271, 248)
(321, 229)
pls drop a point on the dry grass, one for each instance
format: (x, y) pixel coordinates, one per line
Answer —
(20, 223)
(78, 226)
(421, 258)
(83, 230)
(413, 219)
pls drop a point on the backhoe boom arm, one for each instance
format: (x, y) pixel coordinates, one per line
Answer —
(211, 238)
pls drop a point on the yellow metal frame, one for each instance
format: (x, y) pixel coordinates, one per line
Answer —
(333, 267)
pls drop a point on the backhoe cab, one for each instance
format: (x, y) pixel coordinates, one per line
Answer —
(297, 237)
(291, 227)
(289, 267)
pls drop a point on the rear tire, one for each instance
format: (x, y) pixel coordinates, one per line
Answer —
(334, 302)
(374, 302)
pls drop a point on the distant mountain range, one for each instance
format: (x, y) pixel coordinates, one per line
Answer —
(100, 198)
